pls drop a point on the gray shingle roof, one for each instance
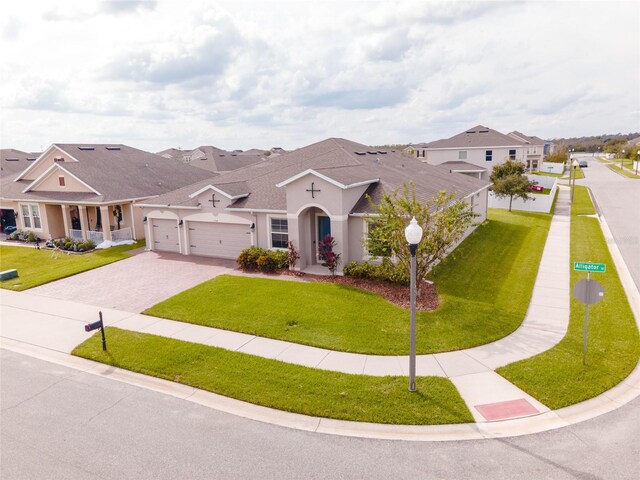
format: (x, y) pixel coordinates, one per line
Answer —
(118, 173)
(528, 139)
(213, 158)
(478, 136)
(15, 161)
(341, 160)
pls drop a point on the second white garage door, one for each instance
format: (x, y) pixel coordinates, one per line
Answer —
(221, 240)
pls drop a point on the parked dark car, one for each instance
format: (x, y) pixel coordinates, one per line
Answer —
(583, 164)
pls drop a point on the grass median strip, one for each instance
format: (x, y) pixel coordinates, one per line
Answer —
(37, 267)
(484, 292)
(557, 377)
(279, 385)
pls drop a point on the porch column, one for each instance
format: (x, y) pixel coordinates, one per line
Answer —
(82, 211)
(340, 231)
(66, 220)
(297, 237)
(106, 222)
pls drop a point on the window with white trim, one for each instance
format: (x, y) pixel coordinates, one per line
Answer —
(279, 232)
(31, 216)
(375, 246)
(462, 155)
(512, 154)
(488, 155)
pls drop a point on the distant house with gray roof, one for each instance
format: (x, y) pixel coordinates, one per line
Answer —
(13, 161)
(214, 159)
(300, 196)
(87, 191)
(483, 147)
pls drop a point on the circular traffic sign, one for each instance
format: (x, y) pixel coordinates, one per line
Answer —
(588, 291)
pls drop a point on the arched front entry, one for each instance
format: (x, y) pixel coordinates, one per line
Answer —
(314, 223)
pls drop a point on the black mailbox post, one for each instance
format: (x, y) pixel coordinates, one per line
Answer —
(89, 327)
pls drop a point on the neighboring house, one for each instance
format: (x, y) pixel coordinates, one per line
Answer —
(417, 150)
(537, 149)
(482, 148)
(634, 142)
(214, 159)
(14, 161)
(88, 191)
(300, 196)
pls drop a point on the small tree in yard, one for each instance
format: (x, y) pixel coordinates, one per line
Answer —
(444, 220)
(510, 181)
(331, 258)
(292, 255)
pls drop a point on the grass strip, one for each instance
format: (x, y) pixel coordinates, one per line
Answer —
(484, 290)
(284, 386)
(37, 267)
(626, 173)
(557, 377)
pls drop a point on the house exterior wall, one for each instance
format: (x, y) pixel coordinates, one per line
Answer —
(52, 184)
(55, 222)
(475, 156)
(357, 232)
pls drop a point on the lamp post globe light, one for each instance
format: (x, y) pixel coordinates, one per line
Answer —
(575, 172)
(413, 235)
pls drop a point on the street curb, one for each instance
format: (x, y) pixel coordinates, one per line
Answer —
(621, 394)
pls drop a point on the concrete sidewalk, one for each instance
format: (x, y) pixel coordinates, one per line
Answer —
(57, 324)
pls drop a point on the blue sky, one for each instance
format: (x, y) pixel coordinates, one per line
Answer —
(261, 74)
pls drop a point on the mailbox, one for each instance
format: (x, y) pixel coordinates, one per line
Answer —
(93, 326)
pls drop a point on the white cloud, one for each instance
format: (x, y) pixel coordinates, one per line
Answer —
(258, 74)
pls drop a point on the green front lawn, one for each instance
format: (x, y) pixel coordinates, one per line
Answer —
(284, 386)
(36, 267)
(484, 292)
(557, 377)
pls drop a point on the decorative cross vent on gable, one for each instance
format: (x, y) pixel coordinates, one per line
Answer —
(213, 200)
(313, 190)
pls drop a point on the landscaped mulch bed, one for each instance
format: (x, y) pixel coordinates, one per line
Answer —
(394, 293)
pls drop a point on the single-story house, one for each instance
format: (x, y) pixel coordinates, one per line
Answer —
(214, 159)
(88, 191)
(482, 148)
(300, 196)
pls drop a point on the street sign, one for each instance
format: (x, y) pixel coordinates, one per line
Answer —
(589, 267)
(588, 292)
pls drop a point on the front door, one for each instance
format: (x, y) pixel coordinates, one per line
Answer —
(323, 229)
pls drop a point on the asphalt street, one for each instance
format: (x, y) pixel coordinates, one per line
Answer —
(59, 423)
(619, 200)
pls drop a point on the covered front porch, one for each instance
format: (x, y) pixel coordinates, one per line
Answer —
(97, 223)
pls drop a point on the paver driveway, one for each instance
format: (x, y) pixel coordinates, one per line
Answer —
(138, 282)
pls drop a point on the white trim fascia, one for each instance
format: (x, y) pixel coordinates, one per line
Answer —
(364, 182)
(42, 155)
(435, 149)
(221, 192)
(152, 205)
(364, 215)
(477, 191)
(311, 171)
(256, 210)
(457, 170)
(46, 173)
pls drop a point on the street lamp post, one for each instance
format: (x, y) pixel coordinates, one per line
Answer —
(637, 162)
(622, 160)
(575, 172)
(413, 235)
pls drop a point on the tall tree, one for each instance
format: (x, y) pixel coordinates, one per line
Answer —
(510, 181)
(444, 220)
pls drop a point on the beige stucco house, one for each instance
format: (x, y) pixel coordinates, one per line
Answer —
(88, 191)
(476, 150)
(299, 196)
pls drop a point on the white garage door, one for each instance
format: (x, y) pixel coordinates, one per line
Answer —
(221, 240)
(165, 235)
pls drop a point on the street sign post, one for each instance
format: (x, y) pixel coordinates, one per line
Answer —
(589, 267)
(588, 292)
